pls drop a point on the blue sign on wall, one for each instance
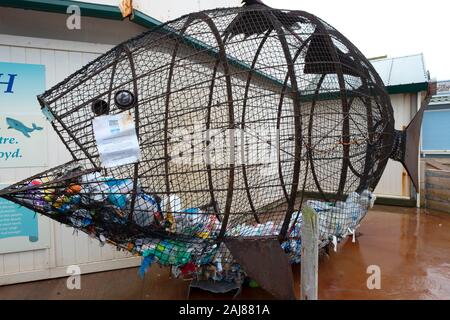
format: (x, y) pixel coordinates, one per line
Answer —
(23, 144)
(23, 138)
(17, 221)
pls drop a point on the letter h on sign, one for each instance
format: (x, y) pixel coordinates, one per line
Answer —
(9, 83)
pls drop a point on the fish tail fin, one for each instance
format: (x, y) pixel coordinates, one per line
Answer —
(406, 145)
(35, 127)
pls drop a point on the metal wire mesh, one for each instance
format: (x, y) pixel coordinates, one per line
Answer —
(243, 115)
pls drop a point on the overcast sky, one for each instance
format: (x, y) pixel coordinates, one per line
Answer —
(388, 27)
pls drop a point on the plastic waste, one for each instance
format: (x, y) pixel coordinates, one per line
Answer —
(146, 210)
(119, 191)
(81, 218)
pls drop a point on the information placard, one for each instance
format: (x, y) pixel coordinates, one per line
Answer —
(21, 229)
(23, 128)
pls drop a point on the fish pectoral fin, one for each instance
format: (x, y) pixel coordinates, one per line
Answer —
(264, 261)
(26, 134)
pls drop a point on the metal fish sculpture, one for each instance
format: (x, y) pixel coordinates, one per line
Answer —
(241, 116)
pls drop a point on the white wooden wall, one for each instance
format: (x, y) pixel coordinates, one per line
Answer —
(395, 182)
(60, 58)
(172, 9)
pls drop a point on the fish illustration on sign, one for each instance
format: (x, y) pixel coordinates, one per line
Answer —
(19, 126)
(243, 116)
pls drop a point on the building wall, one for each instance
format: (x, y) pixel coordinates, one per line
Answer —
(18, 22)
(395, 181)
(172, 9)
(435, 151)
(435, 182)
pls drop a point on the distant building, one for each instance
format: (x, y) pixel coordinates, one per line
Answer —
(435, 151)
(436, 124)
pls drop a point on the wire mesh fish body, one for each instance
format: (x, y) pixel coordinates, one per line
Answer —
(241, 115)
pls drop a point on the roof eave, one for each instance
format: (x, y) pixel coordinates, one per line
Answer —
(87, 9)
(408, 88)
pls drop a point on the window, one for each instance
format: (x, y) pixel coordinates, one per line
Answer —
(436, 131)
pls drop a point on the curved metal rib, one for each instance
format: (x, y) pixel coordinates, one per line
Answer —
(297, 123)
(280, 106)
(310, 128)
(231, 123)
(167, 104)
(345, 109)
(244, 108)
(208, 142)
(136, 121)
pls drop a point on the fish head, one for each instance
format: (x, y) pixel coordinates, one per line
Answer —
(105, 86)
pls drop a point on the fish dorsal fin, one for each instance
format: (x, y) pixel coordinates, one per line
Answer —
(253, 2)
(252, 22)
(319, 58)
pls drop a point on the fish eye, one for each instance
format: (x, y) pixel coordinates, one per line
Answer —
(124, 99)
(100, 107)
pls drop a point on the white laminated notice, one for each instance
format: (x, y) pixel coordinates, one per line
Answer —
(116, 140)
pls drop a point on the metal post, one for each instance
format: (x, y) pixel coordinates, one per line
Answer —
(310, 254)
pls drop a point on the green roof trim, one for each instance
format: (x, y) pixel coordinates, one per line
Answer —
(60, 6)
(407, 88)
(144, 20)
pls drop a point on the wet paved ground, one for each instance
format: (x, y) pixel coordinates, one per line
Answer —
(411, 247)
